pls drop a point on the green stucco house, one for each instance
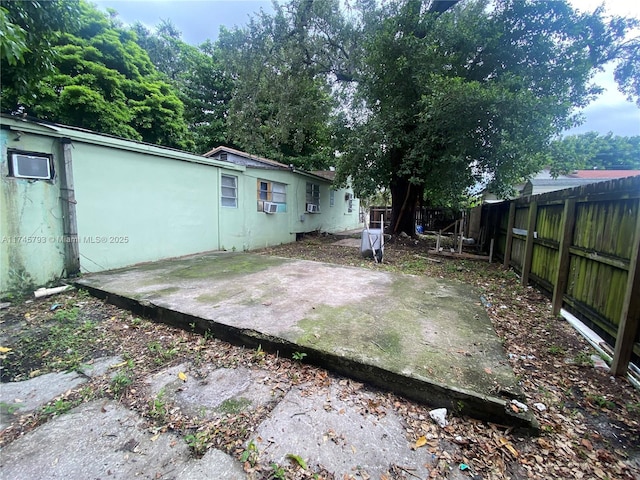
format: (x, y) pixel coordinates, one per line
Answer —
(74, 201)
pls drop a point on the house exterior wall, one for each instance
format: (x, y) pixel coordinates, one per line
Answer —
(135, 207)
(255, 229)
(249, 228)
(31, 250)
(136, 203)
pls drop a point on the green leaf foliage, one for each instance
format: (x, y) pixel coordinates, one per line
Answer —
(593, 151)
(469, 96)
(102, 80)
(196, 74)
(282, 105)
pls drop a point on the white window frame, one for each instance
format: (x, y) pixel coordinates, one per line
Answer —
(230, 196)
(332, 197)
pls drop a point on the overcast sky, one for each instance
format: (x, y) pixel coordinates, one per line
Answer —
(199, 20)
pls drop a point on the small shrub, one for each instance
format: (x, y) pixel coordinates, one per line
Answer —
(299, 356)
(120, 383)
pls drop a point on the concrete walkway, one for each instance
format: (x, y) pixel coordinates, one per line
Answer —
(427, 339)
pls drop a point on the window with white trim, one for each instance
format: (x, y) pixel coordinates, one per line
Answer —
(229, 191)
(332, 197)
(272, 193)
(313, 198)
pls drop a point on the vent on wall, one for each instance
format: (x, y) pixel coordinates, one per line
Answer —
(270, 207)
(31, 166)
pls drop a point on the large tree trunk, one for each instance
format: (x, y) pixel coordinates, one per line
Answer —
(404, 197)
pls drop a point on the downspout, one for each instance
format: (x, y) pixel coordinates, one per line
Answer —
(69, 219)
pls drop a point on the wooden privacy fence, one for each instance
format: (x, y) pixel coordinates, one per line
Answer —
(580, 245)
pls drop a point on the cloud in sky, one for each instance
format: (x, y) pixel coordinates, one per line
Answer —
(199, 20)
(611, 112)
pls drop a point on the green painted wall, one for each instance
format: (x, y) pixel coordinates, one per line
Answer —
(248, 228)
(31, 250)
(138, 203)
(134, 207)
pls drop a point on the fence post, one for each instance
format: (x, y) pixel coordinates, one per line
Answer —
(630, 317)
(528, 249)
(566, 239)
(509, 243)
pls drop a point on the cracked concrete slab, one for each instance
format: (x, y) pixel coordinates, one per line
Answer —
(328, 429)
(20, 398)
(428, 339)
(210, 392)
(102, 439)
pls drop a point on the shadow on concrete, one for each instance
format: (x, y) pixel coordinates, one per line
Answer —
(427, 339)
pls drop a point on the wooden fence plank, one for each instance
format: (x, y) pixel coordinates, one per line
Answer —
(510, 223)
(630, 317)
(562, 272)
(528, 249)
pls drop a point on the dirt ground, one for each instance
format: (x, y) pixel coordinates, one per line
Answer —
(590, 422)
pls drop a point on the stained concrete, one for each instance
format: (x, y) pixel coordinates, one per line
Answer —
(340, 428)
(428, 339)
(329, 430)
(210, 392)
(102, 439)
(20, 398)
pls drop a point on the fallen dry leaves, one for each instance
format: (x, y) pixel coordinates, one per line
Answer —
(590, 422)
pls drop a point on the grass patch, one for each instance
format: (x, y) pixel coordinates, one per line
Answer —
(63, 343)
(234, 405)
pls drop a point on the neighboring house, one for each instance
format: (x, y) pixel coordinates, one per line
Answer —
(280, 202)
(74, 201)
(544, 182)
(538, 185)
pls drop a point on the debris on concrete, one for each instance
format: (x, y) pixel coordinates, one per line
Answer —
(101, 366)
(19, 398)
(103, 439)
(335, 429)
(519, 405)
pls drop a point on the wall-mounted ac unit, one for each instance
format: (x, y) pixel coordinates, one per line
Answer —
(311, 208)
(269, 207)
(30, 166)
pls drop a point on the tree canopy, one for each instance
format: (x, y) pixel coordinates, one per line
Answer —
(200, 81)
(593, 151)
(94, 75)
(421, 98)
(282, 105)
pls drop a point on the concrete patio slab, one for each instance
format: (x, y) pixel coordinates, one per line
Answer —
(428, 339)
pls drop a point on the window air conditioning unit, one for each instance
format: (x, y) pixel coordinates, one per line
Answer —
(269, 207)
(31, 166)
(311, 208)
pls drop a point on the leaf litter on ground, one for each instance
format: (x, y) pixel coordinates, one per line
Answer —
(590, 424)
